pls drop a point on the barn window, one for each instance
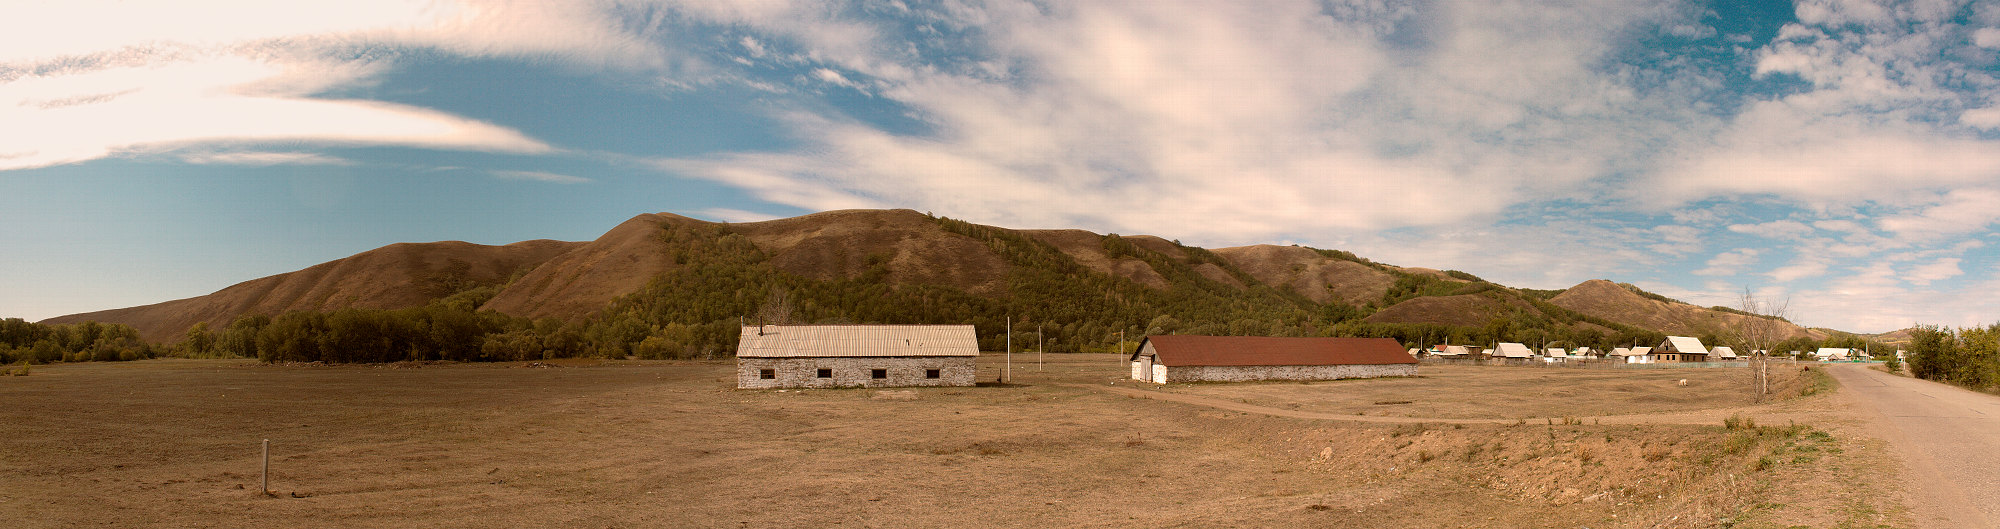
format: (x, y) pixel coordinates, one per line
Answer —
(825, 373)
(930, 373)
(878, 373)
(767, 374)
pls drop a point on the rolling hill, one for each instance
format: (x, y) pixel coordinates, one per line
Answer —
(902, 266)
(394, 276)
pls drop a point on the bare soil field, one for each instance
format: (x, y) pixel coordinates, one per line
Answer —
(1481, 392)
(174, 443)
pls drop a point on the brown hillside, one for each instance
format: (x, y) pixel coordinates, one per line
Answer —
(1608, 300)
(838, 244)
(1088, 249)
(394, 276)
(589, 276)
(1306, 272)
(1898, 337)
(1470, 310)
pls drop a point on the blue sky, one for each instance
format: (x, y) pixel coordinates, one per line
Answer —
(1842, 154)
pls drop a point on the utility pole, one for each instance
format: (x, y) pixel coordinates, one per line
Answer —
(1008, 375)
(1039, 345)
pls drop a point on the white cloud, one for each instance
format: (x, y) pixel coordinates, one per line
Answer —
(1938, 270)
(1780, 229)
(1804, 267)
(1986, 37)
(260, 158)
(540, 176)
(736, 215)
(1981, 118)
(89, 79)
(1958, 212)
(1206, 106)
(1729, 262)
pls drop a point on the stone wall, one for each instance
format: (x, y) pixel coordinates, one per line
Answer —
(1244, 373)
(851, 372)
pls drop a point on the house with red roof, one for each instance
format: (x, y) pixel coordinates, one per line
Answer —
(1181, 358)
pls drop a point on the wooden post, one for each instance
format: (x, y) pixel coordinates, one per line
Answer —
(265, 487)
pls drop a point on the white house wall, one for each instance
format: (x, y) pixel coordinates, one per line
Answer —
(855, 372)
(1247, 373)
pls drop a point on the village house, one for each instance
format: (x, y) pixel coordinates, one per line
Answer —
(1832, 354)
(1512, 350)
(1635, 355)
(1680, 349)
(1449, 352)
(1721, 352)
(872, 356)
(1181, 358)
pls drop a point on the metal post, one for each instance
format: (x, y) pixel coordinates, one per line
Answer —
(1008, 375)
(265, 488)
(1039, 343)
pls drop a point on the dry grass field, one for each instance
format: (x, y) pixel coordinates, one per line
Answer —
(174, 443)
(1470, 392)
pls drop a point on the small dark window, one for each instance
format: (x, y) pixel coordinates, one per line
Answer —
(878, 373)
(767, 374)
(930, 373)
(825, 373)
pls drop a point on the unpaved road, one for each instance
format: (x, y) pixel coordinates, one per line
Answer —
(1948, 438)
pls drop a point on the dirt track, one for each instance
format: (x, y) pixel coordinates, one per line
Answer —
(1946, 436)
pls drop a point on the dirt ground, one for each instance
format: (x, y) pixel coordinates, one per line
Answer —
(1469, 392)
(648, 444)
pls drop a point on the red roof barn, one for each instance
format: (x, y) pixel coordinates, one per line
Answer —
(1181, 358)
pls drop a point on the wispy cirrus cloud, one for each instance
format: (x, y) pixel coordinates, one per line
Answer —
(540, 176)
(91, 79)
(260, 158)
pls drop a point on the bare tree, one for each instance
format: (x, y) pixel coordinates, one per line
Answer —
(1762, 331)
(777, 309)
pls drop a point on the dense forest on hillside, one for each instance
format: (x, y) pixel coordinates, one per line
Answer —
(720, 279)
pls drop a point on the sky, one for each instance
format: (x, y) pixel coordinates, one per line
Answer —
(1843, 155)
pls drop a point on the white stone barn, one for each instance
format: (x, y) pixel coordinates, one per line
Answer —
(1180, 358)
(869, 356)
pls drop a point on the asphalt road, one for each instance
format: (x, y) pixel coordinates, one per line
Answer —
(1948, 438)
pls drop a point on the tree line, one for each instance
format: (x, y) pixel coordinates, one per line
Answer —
(25, 341)
(1968, 357)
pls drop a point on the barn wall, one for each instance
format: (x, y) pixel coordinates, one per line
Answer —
(855, 372)
(1244, 373)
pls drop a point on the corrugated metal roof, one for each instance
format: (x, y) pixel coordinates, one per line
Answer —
(1185, 350)
(1682, 344)
(824, 341)
(1722, 351)
(1512, 350)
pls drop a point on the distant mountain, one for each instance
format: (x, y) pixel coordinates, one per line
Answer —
(889, 265)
